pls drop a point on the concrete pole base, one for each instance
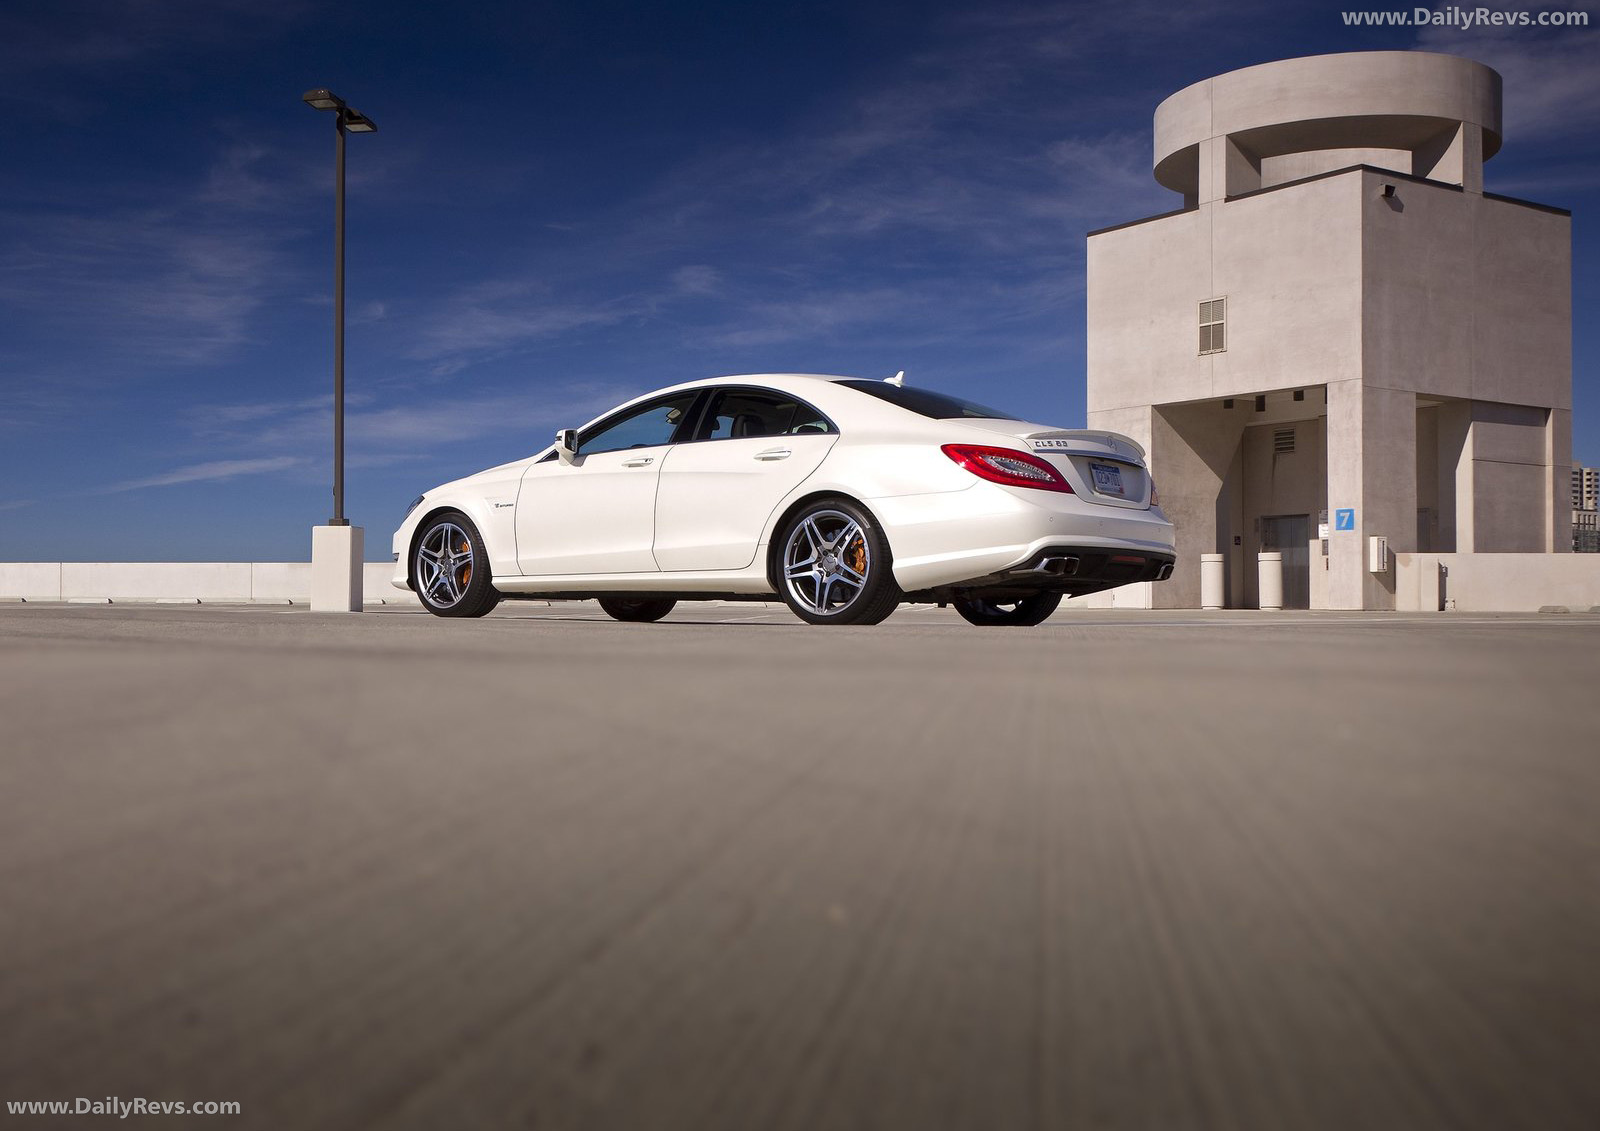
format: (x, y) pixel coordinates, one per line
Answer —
(336, 574)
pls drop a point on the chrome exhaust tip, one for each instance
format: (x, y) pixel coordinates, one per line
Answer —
(1053, 565)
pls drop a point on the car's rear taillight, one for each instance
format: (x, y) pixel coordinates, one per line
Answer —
(1008, 466)
(1155, 499)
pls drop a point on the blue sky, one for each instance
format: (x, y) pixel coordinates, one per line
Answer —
(570, 203)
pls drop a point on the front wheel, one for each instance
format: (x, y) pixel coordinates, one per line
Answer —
(834, 566)
(1025, 611)
(450, 568)
(631, 609)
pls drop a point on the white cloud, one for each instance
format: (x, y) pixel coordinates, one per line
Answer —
(209, 472)
(386, 430)
(90, 38)
(696, 279)
(451, 419)
(1552, 78)
(491, 317)
(809, 317)
(178, 282)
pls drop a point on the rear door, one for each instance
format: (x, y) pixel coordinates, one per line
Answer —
(752, 448)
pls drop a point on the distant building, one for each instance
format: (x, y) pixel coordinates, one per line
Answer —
(1338, 334)
(1585, 509)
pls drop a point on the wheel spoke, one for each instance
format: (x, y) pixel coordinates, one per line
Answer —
(851, 576)
(801, 569)
(813, 535)
(842, 539)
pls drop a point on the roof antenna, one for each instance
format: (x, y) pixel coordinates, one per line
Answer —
(898, 380)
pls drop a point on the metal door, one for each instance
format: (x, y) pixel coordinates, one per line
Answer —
(1290, 535)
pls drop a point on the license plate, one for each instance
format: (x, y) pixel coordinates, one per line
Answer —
(1107, 479)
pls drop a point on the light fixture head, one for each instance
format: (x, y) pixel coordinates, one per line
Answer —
(322, 99)
(356, 122)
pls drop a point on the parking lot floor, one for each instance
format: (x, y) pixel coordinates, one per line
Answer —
(544, 870)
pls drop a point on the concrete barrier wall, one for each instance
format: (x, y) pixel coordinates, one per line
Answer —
(30, 581)
(1138, 595)
(220, 582)
(1423, 582)
(1489, 583)
(156, 581)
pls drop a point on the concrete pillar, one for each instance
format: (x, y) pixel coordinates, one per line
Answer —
(1226, 169)
(1191, 448)
(1372, 472)
(1346, 560)
(336, 573)
(1454, 458)
(1213, 580)
(1558, 458)
(1454, 157)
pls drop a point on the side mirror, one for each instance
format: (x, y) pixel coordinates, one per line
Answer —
(567, 444)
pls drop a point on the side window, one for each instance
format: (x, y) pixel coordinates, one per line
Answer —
(739, 413)
(647, 426)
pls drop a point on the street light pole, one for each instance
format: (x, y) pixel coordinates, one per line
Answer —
(336, 550)
(345, 120)
(338, 518)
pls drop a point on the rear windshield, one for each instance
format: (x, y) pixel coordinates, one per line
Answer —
(925, 403)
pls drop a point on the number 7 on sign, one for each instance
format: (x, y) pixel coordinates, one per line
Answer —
(1344, 519)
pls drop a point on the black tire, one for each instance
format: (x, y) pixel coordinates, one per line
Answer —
(450, 568)
(636, 609)
(832, 565)
(1026, 612)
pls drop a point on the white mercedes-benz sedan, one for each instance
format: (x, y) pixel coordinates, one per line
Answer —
(843, 496)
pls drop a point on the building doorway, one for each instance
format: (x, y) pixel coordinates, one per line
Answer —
(1290, 535)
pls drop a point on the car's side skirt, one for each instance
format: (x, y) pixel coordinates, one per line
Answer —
(678, 585)
(641, 595)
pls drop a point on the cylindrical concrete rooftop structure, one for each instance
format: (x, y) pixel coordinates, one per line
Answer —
(1438, 114)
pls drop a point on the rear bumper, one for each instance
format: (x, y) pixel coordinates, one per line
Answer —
(1076, 570)
(968, 538)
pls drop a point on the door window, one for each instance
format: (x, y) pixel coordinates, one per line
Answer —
(647, 426)
(739, 413)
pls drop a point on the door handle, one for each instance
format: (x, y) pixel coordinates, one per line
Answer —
(774, 453)
(639, 461)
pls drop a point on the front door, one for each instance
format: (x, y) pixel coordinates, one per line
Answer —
(597, 513)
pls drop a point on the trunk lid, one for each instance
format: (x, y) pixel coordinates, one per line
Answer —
(1103, 467)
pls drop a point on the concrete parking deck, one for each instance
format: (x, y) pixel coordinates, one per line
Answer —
(1130, 870)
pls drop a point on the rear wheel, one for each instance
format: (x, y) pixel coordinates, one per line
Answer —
(834, 566)
(640, 609)
(1023, 611)
(450, 568)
